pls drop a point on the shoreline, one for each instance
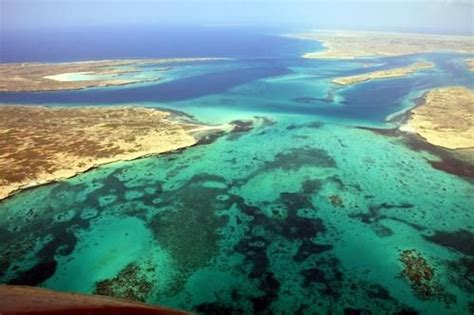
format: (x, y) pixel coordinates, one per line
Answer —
(66, 158)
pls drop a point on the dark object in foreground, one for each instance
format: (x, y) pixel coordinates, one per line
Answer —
(30, 300)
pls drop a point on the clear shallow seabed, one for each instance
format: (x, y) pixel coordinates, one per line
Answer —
(305, 213)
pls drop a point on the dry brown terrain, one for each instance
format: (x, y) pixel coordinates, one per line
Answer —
(445, 118)
(36, 77)
(384, 74)
(39, 144)
(349, 45)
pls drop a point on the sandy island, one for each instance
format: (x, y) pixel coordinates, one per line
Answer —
(40, 144)
(445, 118)
(384, 74)
(353, 44)
(37, 77)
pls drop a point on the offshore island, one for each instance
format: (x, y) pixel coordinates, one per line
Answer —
(40, 77)
(355, 44)
(384, 74)
(39, 145)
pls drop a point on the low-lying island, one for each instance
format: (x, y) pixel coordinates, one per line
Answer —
(43, 144)
(358, 44)
(383, 74)
(41, 77)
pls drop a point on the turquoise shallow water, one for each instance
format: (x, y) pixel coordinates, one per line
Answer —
(305, 213)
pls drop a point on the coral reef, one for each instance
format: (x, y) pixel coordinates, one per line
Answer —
(418, 272)
(130, 283)
(336, 201)
(422, 277)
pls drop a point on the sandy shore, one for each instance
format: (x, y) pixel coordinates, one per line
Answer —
(37, 77)
(352, 44)
(39, 145)
(383, 74)
(445, 118)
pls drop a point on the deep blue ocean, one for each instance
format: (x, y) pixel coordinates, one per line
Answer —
(54, 45)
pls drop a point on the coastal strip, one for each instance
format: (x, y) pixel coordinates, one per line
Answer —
(41, 77)
(384, 74)
(354, 44)
(39, 145)
(444, 117)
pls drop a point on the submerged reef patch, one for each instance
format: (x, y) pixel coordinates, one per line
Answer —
(131, 283)
(461, 240)
(313, 100)
(240, 127)
(299, 157)
(189, 228)
(308, 248)
(217, 308)
(61, 240)
(461, 272)
(336, 201)
(449, 160)
(37, 274)
(418, 272)
(422, 277)
(313, 125)
(291, 229)
(375, 214)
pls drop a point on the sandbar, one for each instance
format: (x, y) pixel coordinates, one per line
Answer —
(384, 74)
(39, 144)
(39, 77)
(444, 117)
(355, 44)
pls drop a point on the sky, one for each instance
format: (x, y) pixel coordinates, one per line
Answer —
(438, 16)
